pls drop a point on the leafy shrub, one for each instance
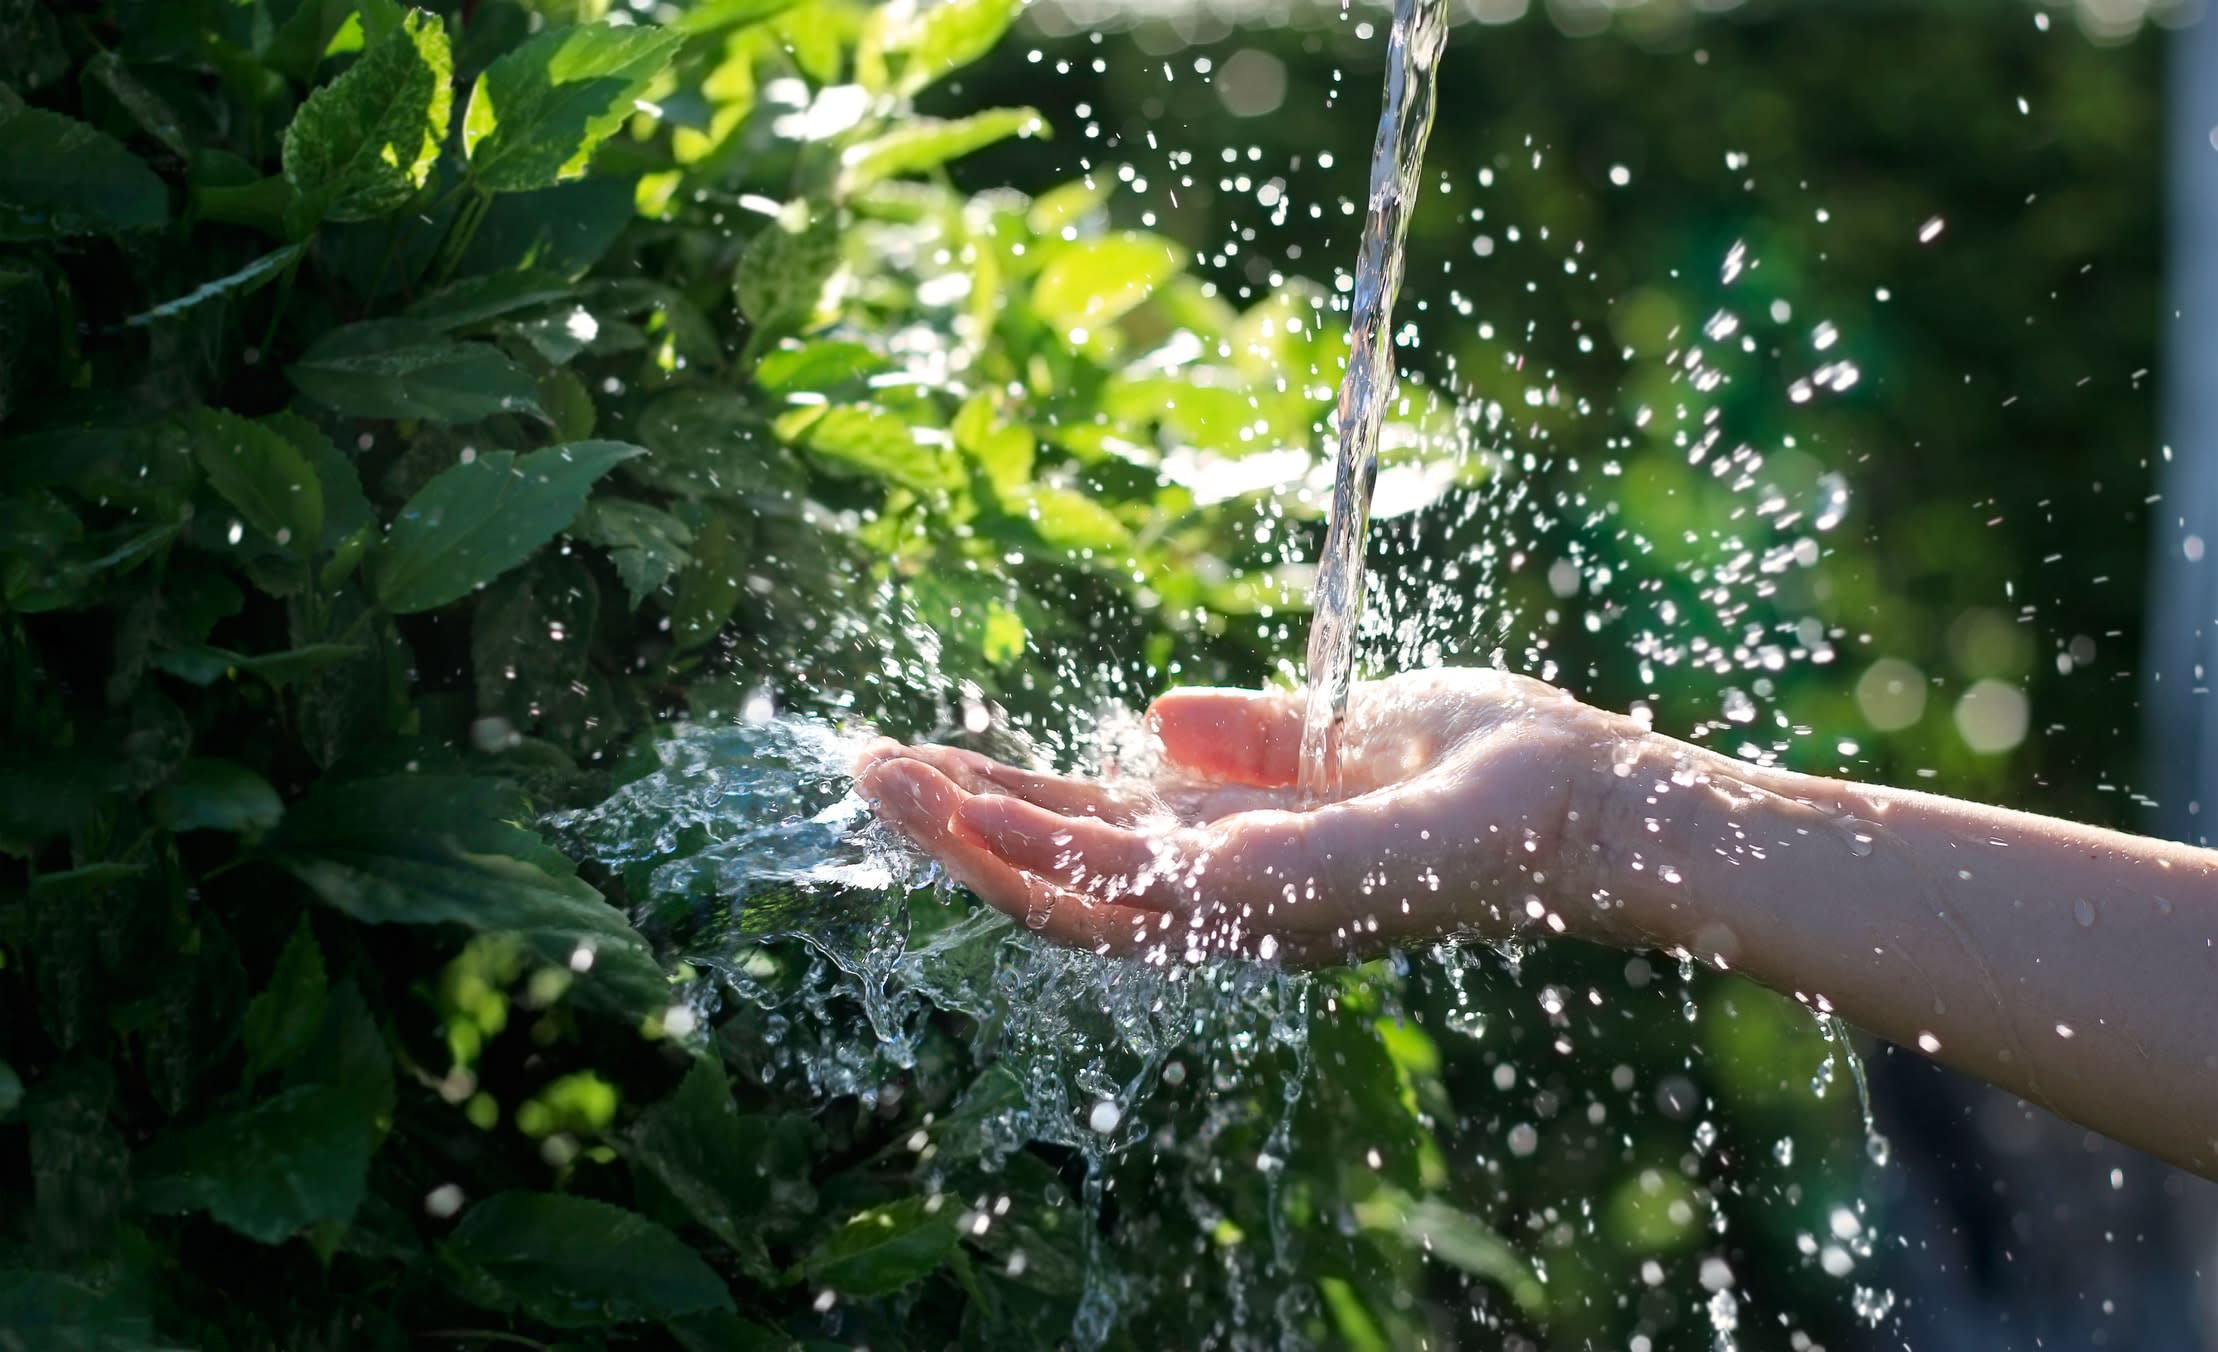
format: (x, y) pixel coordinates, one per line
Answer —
(402, 413)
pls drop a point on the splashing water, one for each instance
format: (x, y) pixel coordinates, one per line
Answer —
(1419, 34)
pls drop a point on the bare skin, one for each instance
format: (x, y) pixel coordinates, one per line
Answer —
(2074, 967)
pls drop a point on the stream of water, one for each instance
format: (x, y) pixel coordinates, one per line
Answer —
(1414, 45)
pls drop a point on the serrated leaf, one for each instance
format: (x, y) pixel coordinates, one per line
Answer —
(60, 177)
(537, 113)
(217, 795)
(713, 443)
(245, 282)
(145, 107)
(346, 510)
(879, 1251)
(929, 142)
(362, 145)
(270, 1169)
(285, 1018)
(646, 544)
(401, 369)
(1091, 282)
(570, 1262)
(480, 519)
(261, 474)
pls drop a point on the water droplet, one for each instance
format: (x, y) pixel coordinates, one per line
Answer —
(1928, 1043)
(2083, 911)
(1104, 1118)
(1878, 1147)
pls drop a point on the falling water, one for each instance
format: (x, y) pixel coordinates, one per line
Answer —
(1419, 33)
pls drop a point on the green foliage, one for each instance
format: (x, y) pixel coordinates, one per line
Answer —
(378, 473)
(378, 464)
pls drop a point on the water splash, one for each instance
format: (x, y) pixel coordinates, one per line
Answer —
(1419, 33)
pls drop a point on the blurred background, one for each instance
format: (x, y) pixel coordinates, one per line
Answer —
(1965, 201)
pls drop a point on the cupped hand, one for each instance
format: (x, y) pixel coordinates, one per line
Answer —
(1459, 810)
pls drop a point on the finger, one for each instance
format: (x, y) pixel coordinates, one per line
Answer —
(1057, 793)
(875, 750)
(921, 803)
(1251, 737)
(1088, 854)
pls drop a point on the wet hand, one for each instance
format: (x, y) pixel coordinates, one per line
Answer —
(1460, 810)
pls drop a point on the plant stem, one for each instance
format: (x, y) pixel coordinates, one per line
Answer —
(465, 230)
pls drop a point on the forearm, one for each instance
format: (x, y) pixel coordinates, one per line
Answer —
(2075, 967)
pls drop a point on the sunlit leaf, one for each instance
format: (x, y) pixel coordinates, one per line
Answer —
(362, 145)
(927, 143)
(1092, 282)
(536, 114)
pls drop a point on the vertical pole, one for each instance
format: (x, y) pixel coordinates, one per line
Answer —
(2181, 649)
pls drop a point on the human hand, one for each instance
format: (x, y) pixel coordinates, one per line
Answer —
(1461, 809)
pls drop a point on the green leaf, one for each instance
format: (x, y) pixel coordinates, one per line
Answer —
(817, 367)
(1455, 1237)
(713, 443)
(245, 282)
(397, 368)
(879, 1251)
(1088, 283)
(345, 509)
(710, 590)
(284, 1019)
(262, 475)
(907, 53)
(270, 1169)
(537, 113)
(647, 544)
(150, 110)
(362, 145)
(447, 850)
(60, 177)
(561, 230)
(11, 1092)
(929, 142)
(782, 276)
(217, 795)
(713, 15)
(201, 664)
(473, 300)
(480, 519)
(529, 637)
(862, 439)
(49, 1312)
(1070, 520)
(570, 1262)
(696, 1145)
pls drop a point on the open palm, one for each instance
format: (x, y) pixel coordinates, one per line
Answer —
(1457, 788)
